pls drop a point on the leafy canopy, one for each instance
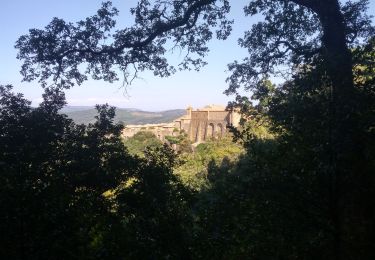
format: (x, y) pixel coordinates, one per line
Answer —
(292, 32)
(58, 51)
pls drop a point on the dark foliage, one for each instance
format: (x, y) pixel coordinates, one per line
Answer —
(278, 201)
(68, 190)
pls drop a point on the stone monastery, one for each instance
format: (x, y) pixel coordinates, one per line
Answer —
(200, 124)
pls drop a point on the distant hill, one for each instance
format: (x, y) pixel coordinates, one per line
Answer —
(68, 109)
(130, 116)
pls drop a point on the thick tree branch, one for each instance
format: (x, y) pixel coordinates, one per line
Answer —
(159, 29)
(300, 51)
(311, 4)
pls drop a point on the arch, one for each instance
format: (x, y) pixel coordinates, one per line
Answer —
(219, 130)
(210, 131)
(198, 133)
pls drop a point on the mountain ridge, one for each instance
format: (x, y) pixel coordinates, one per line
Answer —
(127, 116)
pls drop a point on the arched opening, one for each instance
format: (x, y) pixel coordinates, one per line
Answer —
(210, 131)
(219, 130)
(198, 133)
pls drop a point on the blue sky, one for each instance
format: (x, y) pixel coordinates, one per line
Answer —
(149, 93)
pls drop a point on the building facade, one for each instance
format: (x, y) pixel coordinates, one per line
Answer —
(200, 124)
(208, 122)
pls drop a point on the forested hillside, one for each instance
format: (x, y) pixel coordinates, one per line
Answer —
(86, 115)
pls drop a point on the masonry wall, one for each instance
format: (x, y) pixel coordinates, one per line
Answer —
(208, 124)
(219, 116)
(200, 125)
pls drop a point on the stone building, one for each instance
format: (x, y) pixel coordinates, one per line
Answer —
(200, 124)
(208, 122)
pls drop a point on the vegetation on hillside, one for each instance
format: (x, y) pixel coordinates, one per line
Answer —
(196, 163)
(139, 142)
(194, 160)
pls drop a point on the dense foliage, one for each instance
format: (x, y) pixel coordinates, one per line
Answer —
(282, 192)
(74, 192)
(193, 172)
(195, 160)
(138, 143)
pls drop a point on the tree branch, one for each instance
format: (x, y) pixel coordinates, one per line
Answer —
(311, 4)
(159, 28)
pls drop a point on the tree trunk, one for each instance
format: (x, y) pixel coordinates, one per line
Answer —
(345, 150)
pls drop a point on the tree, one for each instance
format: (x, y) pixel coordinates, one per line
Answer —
(74, 192)
(61, 47)
(294, 32)
(277, 201)
(53, 175)
(181, 141)
(193, 172)
(155, 210)
(138, 143)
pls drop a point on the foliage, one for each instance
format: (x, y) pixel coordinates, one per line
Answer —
(138, 143)
(61, 47)
(181, 141)
(294, 33)
(193, 171)
(53, 171)
(156, 210)
(280, 192)
(55, 177)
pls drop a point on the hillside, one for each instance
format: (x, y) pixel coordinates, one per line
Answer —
(85, 115)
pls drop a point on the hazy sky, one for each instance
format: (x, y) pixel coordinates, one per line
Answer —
(149, 93)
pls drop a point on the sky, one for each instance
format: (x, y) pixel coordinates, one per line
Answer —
(149, 92)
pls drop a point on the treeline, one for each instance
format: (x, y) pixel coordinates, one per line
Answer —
(72, 191)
